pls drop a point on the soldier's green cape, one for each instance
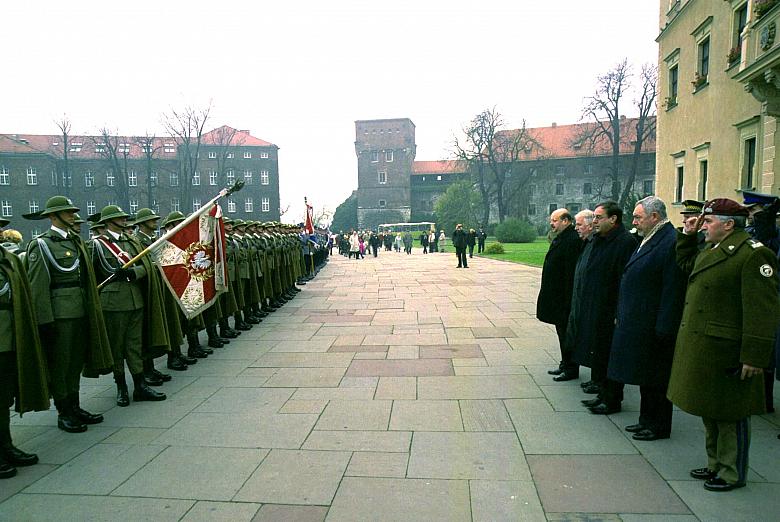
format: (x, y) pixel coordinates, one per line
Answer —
(32, 393)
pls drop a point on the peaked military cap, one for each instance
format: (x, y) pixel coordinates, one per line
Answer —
(58, 204)
(756, 198)
(173, 217)
(112, 212)
(691, 206)
(145, 214)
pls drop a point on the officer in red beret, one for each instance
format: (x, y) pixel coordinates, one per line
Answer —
(723, 343)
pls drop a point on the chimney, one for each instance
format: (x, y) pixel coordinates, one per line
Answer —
(554, 125)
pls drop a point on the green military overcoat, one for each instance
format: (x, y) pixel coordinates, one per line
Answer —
(730, 317)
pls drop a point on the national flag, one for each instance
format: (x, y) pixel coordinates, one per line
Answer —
(193, 263)
(309, 223)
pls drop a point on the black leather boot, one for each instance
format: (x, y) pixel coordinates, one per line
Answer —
(175, 363)
(142, 392)
(214, 340)
(10, 456)
(194, 349)
(122, 398)
(83, 415)
(66, 420)
(148, 373)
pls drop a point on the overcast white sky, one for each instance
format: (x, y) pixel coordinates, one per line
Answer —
(299, 73)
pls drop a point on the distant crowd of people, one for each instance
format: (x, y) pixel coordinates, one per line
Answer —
(690, 315)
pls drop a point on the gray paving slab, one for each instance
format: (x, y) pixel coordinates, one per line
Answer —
(57, 447)
(24, 477)
(485, 415)
(355, 415)
(379, 441)
(387, 499)
(378, 464)
(477, 387)
(296, 477)
(206, 511)
(39, 507)
(756, 501)
(505, 500)
(305, 377)
(245, 400)
(285, 513)
(420, 415)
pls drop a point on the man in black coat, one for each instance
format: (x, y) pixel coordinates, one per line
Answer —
(650, 304)
(481, 236)
(459, 242)
(554, 302)
(612, 247)
(471, 240)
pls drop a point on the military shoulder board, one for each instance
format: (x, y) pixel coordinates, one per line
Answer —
(755, 244)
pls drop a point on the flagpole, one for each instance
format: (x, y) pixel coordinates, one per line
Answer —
(195, 215)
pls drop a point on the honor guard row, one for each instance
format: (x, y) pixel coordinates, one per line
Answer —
(93, 317)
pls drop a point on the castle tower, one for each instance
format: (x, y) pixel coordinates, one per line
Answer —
(385, 152)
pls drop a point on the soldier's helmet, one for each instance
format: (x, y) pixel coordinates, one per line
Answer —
(145, 214)
(58, 204)
(173, 218)
(112, 212)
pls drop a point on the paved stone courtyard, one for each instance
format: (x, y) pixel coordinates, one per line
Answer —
(396, 388)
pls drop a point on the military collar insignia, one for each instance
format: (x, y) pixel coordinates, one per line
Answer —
(766, 270)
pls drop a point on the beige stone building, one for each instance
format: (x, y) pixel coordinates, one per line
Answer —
(718, 98)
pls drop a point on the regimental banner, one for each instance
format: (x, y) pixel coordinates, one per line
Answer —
(193, 263)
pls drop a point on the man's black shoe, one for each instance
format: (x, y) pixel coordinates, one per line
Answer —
(592, 389)
(703, 473)
(648, 434)
(207, 351)
(70, 424)
(164, 376)
(252, 320)
(566, 376)
(186, 359)
(85, 417)
(718, 484)
(176, 364)
(556, 371)
(591, 402)
(145, 393)
(152, 380)
(198, 354)
(215, 343)
(585, 384)
(16, 457)
(6, 470)
(243, 327)
(635, 428)
(227, 334)
(224, 340)
(603, 409)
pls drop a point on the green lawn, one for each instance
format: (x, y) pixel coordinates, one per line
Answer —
(525, 253)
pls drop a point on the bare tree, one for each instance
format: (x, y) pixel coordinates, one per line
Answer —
(63, 163)
(150, 147)
(186, 127)
(604, 110)
(115, 152)
(479, 132)
(225, 139)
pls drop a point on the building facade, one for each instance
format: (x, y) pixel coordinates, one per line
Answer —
(136, 172)
(716, 123)
(559, 171)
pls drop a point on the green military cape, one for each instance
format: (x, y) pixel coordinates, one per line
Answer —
(156, 338)
(32, 394)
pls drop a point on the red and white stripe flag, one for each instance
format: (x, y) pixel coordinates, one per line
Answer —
(193, 263)
(309, 223)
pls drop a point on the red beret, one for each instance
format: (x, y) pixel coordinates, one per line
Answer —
(725, 207)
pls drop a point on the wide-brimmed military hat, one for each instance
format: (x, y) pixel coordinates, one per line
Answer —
(3, 222)
(78, 219)
(239, 223)
(173, 217)
(145, 214)
(691, 206)
(96, 224)
(227, 221)
(58, 204)
(112, 212)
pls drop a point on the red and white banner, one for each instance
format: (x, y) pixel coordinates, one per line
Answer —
(193, 263)
(309, 224)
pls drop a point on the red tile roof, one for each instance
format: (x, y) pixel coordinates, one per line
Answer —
(438, 167)
(237, 138)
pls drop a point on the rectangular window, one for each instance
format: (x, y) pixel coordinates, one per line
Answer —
(32, 176)
(54, 178)
(147, 148)
(174, 204)
(89, 179)
(559, 189)
(133, 205)
(531, 209)
(173, 179)
(110, 179)
(153, 178)
(264, 155)
(374, 156)
(649, 166)
(382, 203)
(5, 176)
(67, 180)
(587, 189)
(264, 177)
(123, 148)
(212, 177)
(382, 177)
(231, 206)
(552, 208)
(560, 170)
(531, 191)
(674, 73)
(648, 187)
(703, 180)
(91, 208)
(75, 146)
(196, 179)
(169, 148)
(703, 65)
(132, 179)
(212, 155)
(195, 204)
(155, 206)
(247, 155)
(750, 162)
(100, 148)
(231, 177)
(740, 21)
(265, 205)
(33, 206)
(230, 155)
(248, 205)
(678, 191)
(588, 169)
(574, 208)
(6, 209)
(388, 156)
(248, 177)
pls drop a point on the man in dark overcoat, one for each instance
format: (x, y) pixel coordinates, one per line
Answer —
(612, 247)
(725, 339)
(554, 301)
(650, 304)
(459, 242)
